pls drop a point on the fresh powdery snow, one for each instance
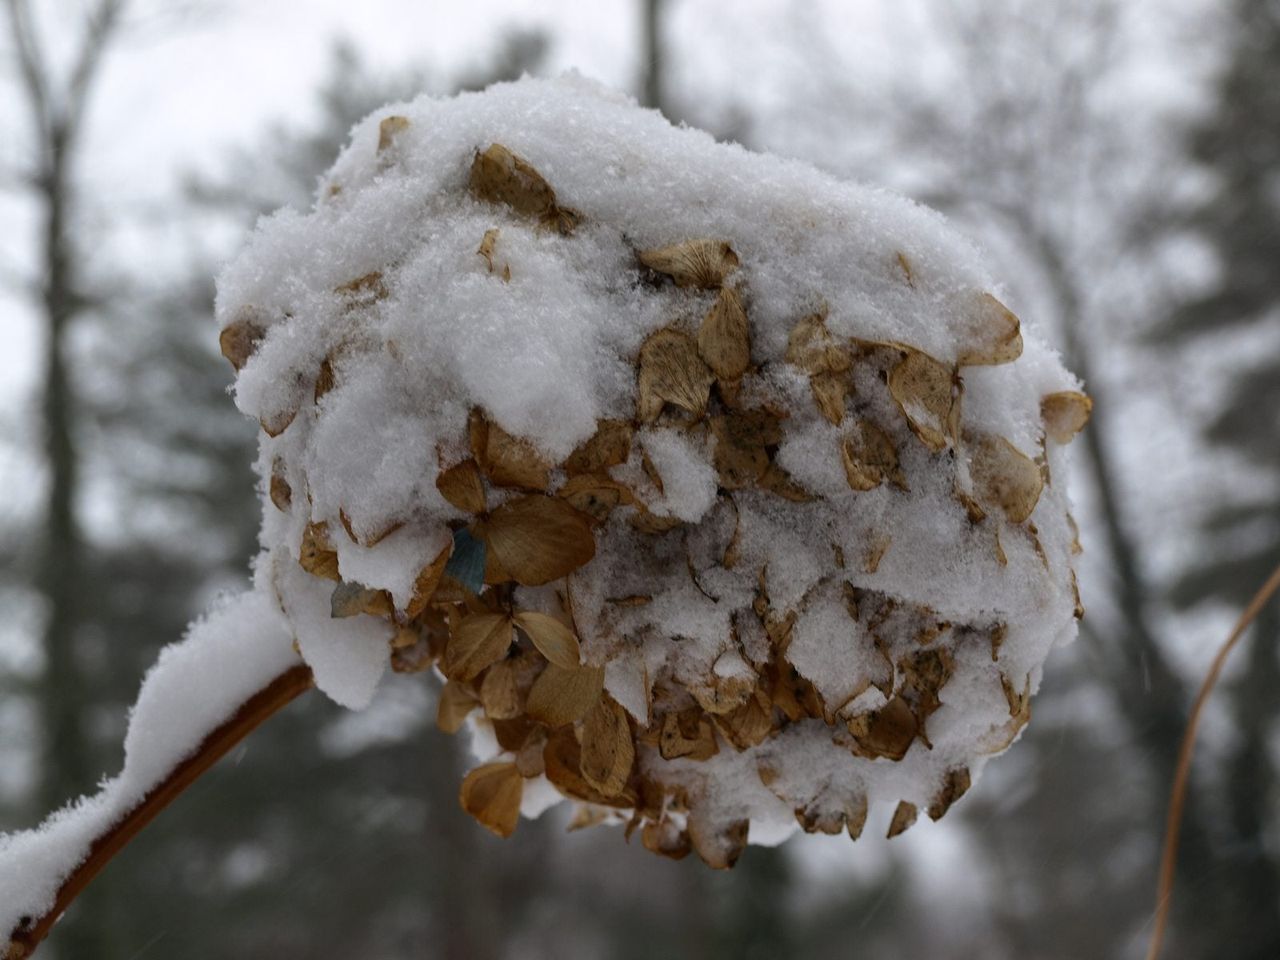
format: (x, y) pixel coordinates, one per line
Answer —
(727, 496)
(235, 650)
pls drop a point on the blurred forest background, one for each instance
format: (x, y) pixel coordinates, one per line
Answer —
(1121, 164)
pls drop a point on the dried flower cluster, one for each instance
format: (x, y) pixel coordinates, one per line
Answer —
(713, 613)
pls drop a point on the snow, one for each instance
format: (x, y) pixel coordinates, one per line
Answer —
(195, 685)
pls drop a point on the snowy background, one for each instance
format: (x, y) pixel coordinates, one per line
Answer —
(1116, 161)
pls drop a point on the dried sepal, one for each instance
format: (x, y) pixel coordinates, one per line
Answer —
(562, 758)
(989, 333)
(724, 339)
(887, 732)
(778, 481)
(457, 700)
(553, 639)
(364, 290)
(278, 488)
(666, 838)
(927, 393)
(349, 599)
(478, 640)
(240, 338)
(463, 486)
(1004, 477)
(876, 549)
(500, 176)
(749, 724)
(1065, 414)
(813, 349)
(955, 783)
(487, 244)
(277, 422)
(693, 263)
(595, 495)
(687, 734)
(607, 749)
(904, 815)
(326, 379)
(830, 391)
(506, 460)
(719, 845)
(870, 458)
(560, 696)
(742, 439)
(499, 693)
(492, 793)
(672, 371)
(317, 555)
(608, 447)
(388, 129)
(537, 539)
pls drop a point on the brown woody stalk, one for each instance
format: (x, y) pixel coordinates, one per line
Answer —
(1178, 795)
(271, 698)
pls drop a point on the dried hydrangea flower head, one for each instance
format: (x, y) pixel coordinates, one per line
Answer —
(726, 497)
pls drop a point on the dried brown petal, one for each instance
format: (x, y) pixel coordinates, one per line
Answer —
(388, 130)
(595, 495)
(870, 458)
(989, 332)
(671, 371)
(954, 785)
(607, 751)
(365, 290)
(830, 391)
(887, 732)
(562, 757)
(554, 640)
(456, 701)
(349, 599)
(487, 244)
(1065, 414)
(560, 696)
(498, 692)
(428, 580)
(687, 734)
(926, 393)
(665, 838)
(608, 447)
(856, 818)
(903, 817)
(694, 263)
(499, 176)
(876, 550)
(813, 349)
(317, 555)
(538, 539)
(1003, 476)
(240, 338)
(462, 486)
(479, 640)
(748, 725)
(718, 846)
(778, 481)
(491, 793)
(507, 460)
(724, 339)
(281, 492)
(325, 379)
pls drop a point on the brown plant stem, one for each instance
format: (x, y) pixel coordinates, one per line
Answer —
(1177, 796)
(271, 698)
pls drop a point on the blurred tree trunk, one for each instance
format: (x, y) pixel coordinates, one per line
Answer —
(652, 55)
(57, 122)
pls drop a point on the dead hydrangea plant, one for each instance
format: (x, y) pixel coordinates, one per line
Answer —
(725, 498)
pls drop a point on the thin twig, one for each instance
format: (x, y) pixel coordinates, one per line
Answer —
(271, 698)
(1178, 795)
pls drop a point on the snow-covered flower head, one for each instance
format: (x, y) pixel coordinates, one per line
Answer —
(726, 496)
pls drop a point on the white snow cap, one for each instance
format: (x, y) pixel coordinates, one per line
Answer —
(781, 477)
